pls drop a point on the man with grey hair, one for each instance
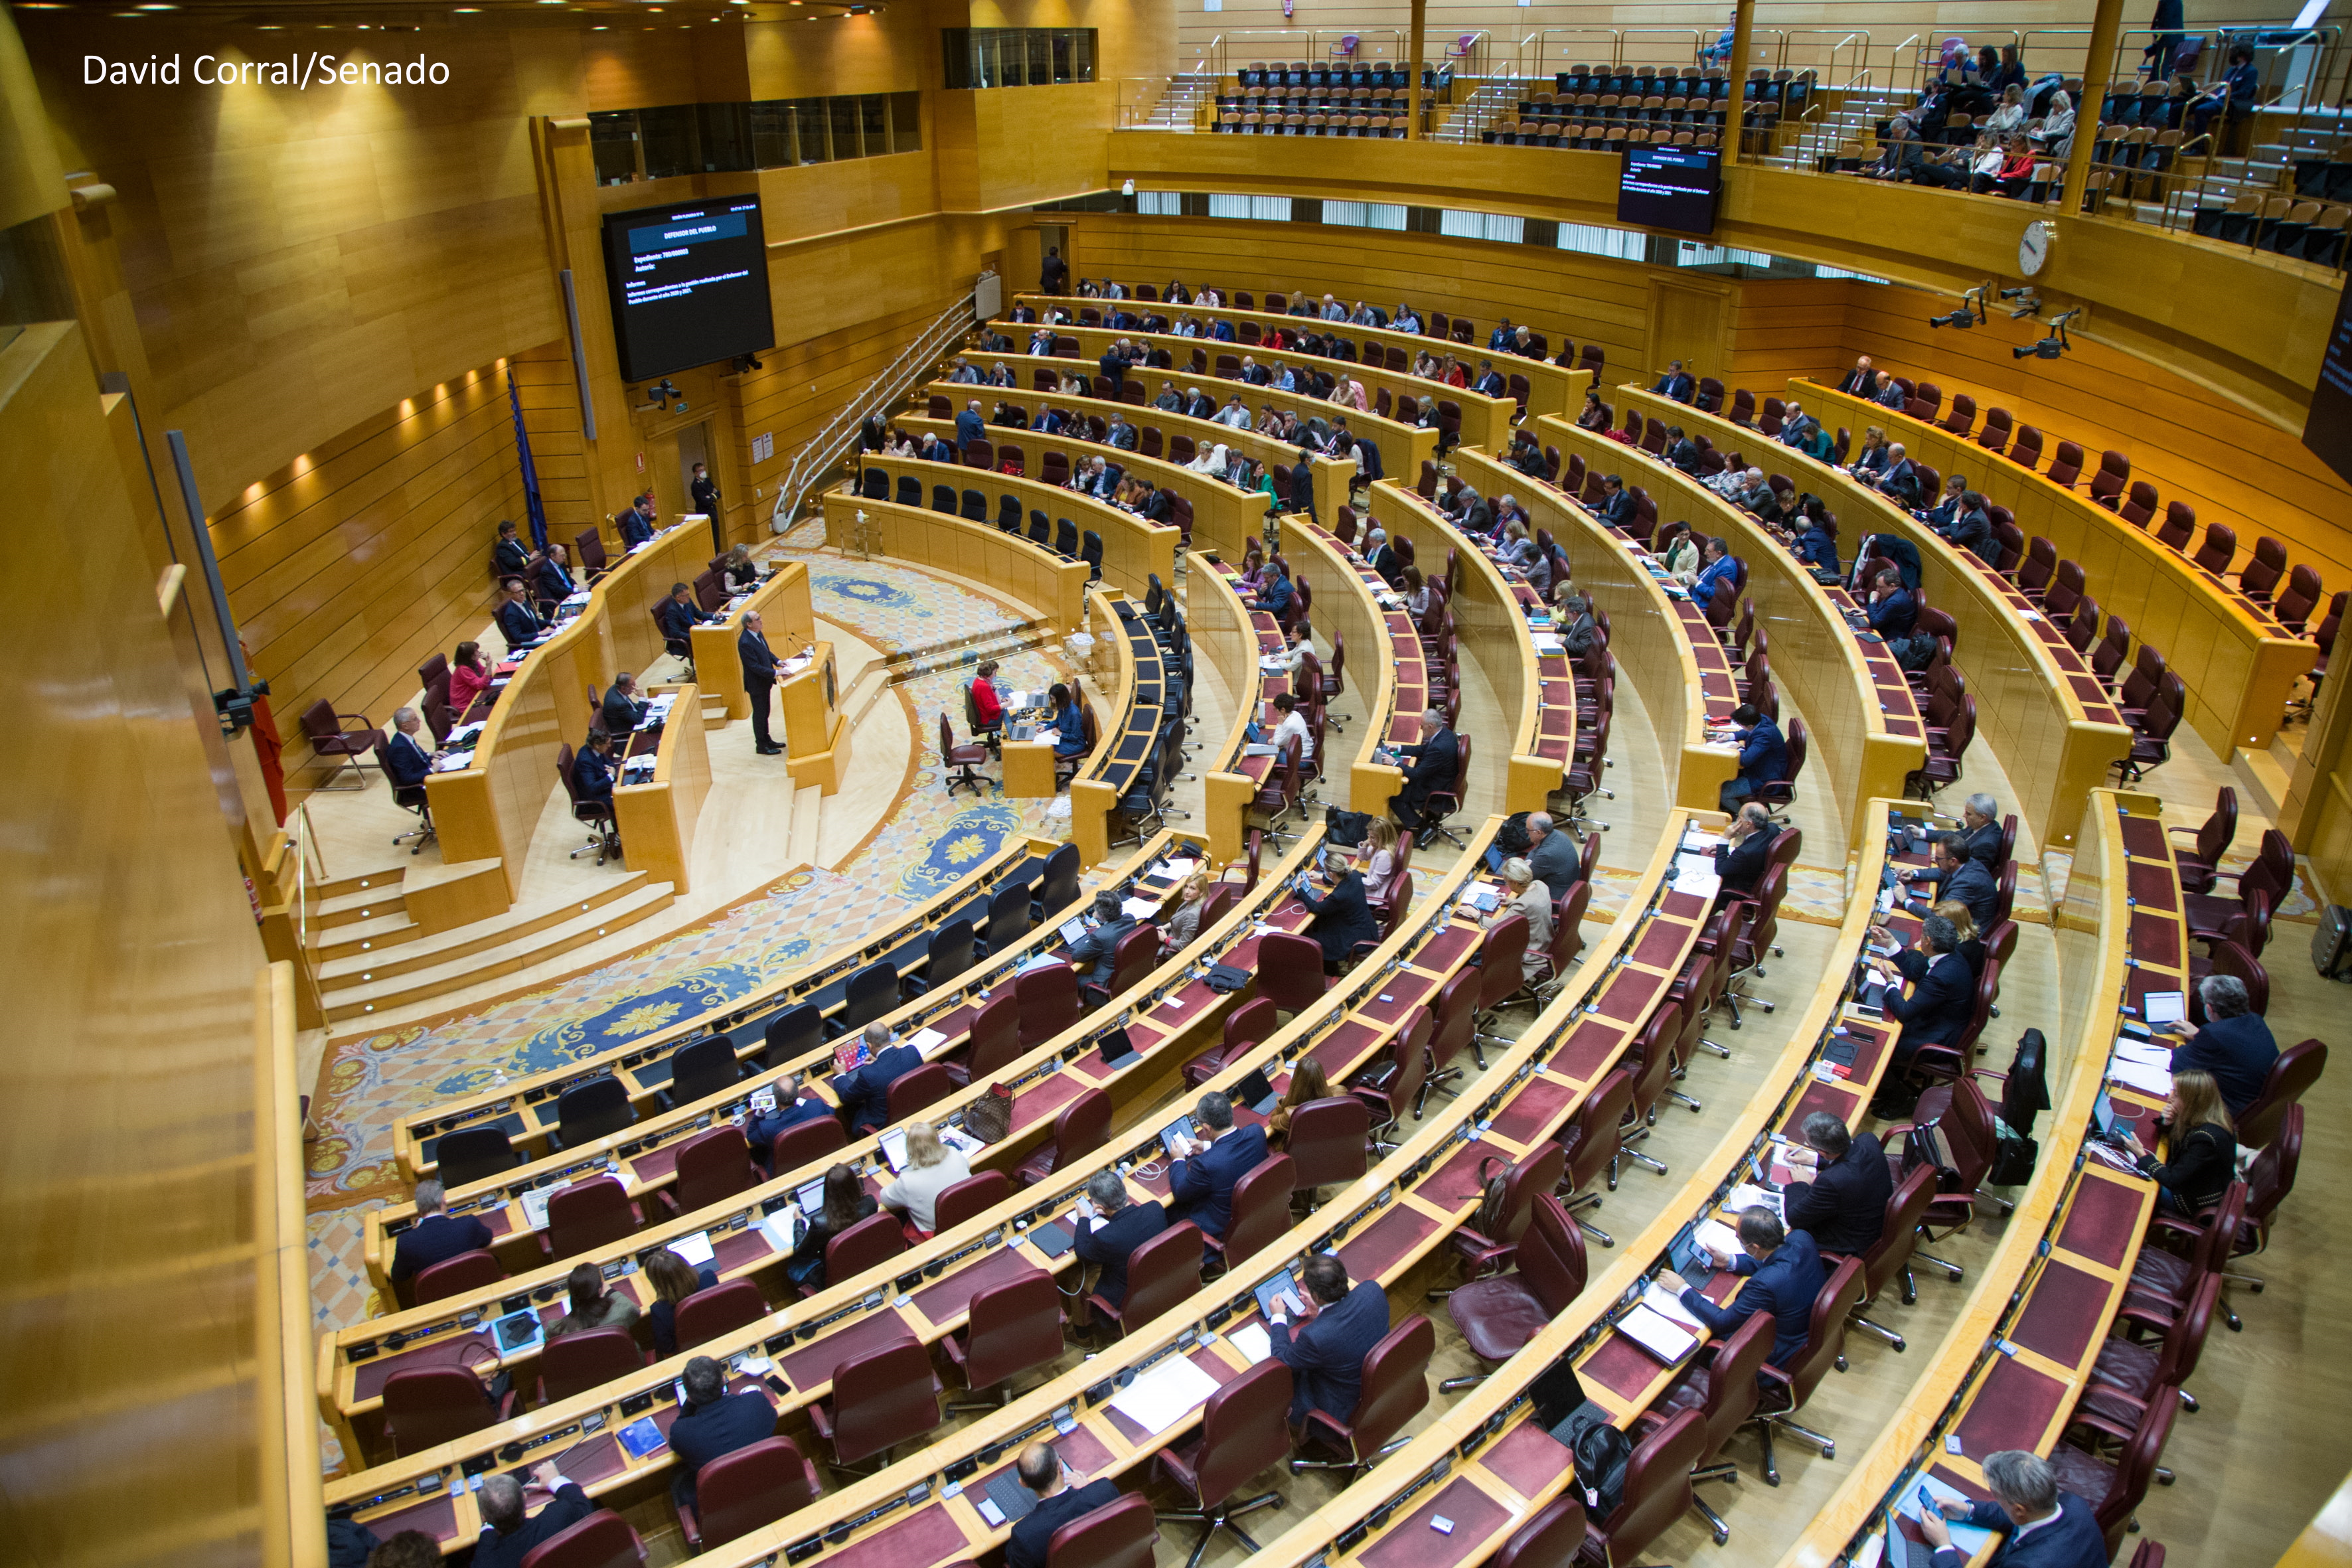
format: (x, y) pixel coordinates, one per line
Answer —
(1436, 757)
(2042, 1527)
(507, 1536)
(1109, 1228)
(1943, 994)
(408, 761)
(1552, 856)
(865, 1092)
(1784, 1274)
(1843, 1206)
(435, 1237)
(2235, 1045)
(1577, 626)
(1981, 825)
(1201, 1183)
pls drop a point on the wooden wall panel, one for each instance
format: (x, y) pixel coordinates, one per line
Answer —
(127, 1104)
(349, 568)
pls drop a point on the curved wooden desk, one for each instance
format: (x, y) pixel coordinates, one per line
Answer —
(491, 810)
(782, 603)
(2246, 663)
(2123, 903)
(1333, 476)
(1553, 388)
(1239, 636)
(1664, 646)
(1354, 1027)
(1138, 702)
(1391, 677)
(2038, 705)
(1134, 551)
(1486, 421)
(1491, 604)
(1864, 722)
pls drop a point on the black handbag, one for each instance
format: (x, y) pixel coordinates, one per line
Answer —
(1224, 978)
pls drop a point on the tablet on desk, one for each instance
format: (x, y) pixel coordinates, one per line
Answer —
(1073, 929)
(1013, 1500)
(1119, 1050)
(811, 1198)
(894, 1148)
(2162, 1007)
(1483, 898)
(519, 1331)
(1181, 1128)
(2102, 1115)
(1275, 1288)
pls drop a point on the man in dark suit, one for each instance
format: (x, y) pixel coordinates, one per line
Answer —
(1256, 373)
(1943, 994)
(1901, 480)
(1763, 755)
(509, 559)
(1677, 383)
(2235, 1045)
(1302, 482)
(759, 662)
(1090, 955)
(517, 621)
(865, 1092)
(1681, 450)
(1335, 1328)
(1746, 852)
(591, 769)
(1892, 611)
(1617, 507)
(2040, 1526)
(552, 580)
(1500, 338)
(507, 1536)
(679, 615)
(1062, 1495)
(1972, 529)
(1113, 366)
(1843, 1207)
(970, 426)
(793, 1107)
(1958, 875)
(1436, 758)
(1342, 918)
(408, 760)
(1199, 404)
(1861, 381)
(1108, 1236)
(623, 708)
(1490, 382)
(435, 1237)
(1552, 856)
(1053, 273)
(1981, 825)
(1201, 1182)
(1784, 1273)
(713, 1423)
(704, 492)
(635, 522)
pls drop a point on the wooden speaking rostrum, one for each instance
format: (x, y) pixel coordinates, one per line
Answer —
(816, 738)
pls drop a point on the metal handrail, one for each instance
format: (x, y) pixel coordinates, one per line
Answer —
(830, 445)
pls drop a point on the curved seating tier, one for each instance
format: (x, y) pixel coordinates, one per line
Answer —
(1353, 609)
(2038, 705)
(1864, 722)
(1332, 475)
(1134, 551)
(1360, 1021)
(1553, 388)
(2247, 663)
(1663, 646)
(1145, 702)
(1241, 635)
(2051, 1288)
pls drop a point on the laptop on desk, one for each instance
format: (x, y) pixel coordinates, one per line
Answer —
(1073, 929)
(1255, 1092)
(1119, 1050)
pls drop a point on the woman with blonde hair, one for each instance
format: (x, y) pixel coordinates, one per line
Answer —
(1308, 1082)
(1378, 855)
(932, 1167)
(1184, 925)
(2204, 1146)
(1972, 941)
(1872, 459)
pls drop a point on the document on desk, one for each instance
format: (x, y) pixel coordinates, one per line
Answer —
(694, 1249)
(1695, 875)
(1165, 1395)
(1748, 1195)
(1970, 1539)
(2141, 1076)
(1253, 1341)
(2144, 1053)
(1139, 909)
(1717, 1238)
(927, 1041)
(1657, 1333)
(1549, 645)
(1663, 1302)
(1177, 871)
(534, 1206)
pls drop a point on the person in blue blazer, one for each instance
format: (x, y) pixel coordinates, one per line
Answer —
(1201, 1183)
(1324, 1335)
(2235, 1045)
(1107, 1236)
(1943, 992)
(2040, 1526)
(793, 1107)
(1784, 1274)
(714, 1423)
(865, 1092)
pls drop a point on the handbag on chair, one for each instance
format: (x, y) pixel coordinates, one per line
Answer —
(990, 1118)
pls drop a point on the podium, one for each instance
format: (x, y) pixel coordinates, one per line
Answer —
(816, 738)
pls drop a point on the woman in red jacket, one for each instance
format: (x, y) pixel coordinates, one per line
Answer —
(990, 711)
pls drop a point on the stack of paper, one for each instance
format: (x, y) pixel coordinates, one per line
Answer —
(695, 1248)
(1695, 875)
(1177, 871)
(1664, 1302)
(1253, 1340)
(1165, 1395)
(1717, 1238)
(453, 763)
(2148, 1078)
(1748, 1195)
(1140, 908)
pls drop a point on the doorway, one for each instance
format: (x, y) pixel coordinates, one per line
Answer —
(694, 447)
(1053, 236)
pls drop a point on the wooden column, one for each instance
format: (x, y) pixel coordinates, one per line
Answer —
(1413, 72)
(1743, 23)
(2106, 22)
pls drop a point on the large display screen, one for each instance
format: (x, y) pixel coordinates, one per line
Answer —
(1670, 187)
(2327, 429)
(689, 285)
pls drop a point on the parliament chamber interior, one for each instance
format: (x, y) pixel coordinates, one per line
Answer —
(649, 934)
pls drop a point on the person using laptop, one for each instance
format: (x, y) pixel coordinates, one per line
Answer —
(1323, 1335)
(846, 1201)
(2204, 1147)
(1063, 1495)
(2040, 1526)
(1201, 1182)
(1843, 1206)
(1784, 1273)
(1091, 955)
(713, 1423)
(2235, 1045)
(793, 1107)
(864, 1094)
(435, 1237)
(932, 1167)
(1108, 1236)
